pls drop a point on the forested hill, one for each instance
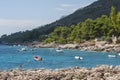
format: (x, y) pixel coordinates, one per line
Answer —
(92, 11)
(96, 9)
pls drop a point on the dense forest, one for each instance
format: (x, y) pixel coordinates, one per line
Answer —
(103, 27)
(71, 23)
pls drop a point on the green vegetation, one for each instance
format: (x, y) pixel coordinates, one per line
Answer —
(103, 27)
(84, 24)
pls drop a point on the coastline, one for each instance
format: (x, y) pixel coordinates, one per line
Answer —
(102, 72)
(89, 46)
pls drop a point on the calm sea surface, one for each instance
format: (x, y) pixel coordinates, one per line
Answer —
(11, 57)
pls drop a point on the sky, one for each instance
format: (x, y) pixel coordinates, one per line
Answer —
(21, 15)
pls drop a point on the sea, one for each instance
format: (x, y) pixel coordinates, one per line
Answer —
(12, 57)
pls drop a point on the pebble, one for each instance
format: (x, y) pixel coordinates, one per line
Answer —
(101, 72)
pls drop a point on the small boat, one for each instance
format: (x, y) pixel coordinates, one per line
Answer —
(112, 56)
(22, 49)
(18, 45)
(32, 49)
(59, 50)
(78, 57)
(118, 54)
(37, 58)
(14, 45)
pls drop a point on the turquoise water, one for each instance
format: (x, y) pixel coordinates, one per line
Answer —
(11, 58)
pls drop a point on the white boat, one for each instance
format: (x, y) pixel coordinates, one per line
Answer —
(22, 49)
(59, 50)
(118, 54)
(112, 56)
(78, 57)
(18, 45)
(14, 45)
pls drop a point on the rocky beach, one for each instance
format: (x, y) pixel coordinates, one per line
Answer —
(89, 46)
(102, 72)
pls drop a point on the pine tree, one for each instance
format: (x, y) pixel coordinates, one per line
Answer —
(113, 16)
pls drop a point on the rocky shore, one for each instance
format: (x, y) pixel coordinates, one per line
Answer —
(103, 72)
(90, 46)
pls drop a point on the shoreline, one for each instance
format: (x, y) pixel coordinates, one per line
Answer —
(88, 46)
(102, 72)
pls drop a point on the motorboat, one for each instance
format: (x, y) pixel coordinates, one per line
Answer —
(22, 49)
(78, 57)
(118, 54)
(37, 58)
(112, 56)
(59, 50)
(18, 45)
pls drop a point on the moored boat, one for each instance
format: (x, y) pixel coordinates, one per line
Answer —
(112, 56)
(37, 58)
(78, 57)
(118, 54)
(59, 50)
(23, 49)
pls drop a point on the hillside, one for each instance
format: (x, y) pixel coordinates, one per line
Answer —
(92, 11)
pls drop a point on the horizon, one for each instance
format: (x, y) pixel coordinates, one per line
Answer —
(26, 15)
